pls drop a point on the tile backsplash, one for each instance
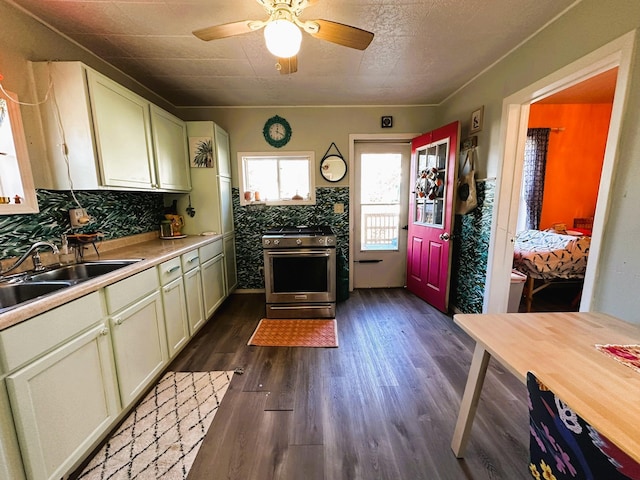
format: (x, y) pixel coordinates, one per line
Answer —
(121, 214)
(252, 220)
(115, 214)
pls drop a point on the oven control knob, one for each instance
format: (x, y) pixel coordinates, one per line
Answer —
(298, 241)
(276, 242)
(329, 241)
(267, 241)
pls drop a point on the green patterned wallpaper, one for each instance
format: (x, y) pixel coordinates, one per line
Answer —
(471, 250)
(119, 214)
(252, 220)
(115, 214)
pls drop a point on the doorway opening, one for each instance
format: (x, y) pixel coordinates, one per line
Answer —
(378, 209)
(564, 154)
(515, 118)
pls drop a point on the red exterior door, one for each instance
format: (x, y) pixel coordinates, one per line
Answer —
(431, 212)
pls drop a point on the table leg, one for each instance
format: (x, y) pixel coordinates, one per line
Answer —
(470, 400)
(528, 293)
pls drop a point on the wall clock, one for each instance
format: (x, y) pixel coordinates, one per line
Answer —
(277, 131)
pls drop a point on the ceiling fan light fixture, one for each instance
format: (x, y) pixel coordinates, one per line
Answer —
(283, 38)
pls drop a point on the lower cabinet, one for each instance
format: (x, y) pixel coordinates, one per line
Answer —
(175, 314)
(68, 375)
(63, 402)
(175, 309)
(230, 262)
(194, 299)
(139, 346)
(213, 286)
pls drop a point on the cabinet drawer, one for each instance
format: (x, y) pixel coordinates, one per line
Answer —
(211, 250)
(169, 270)
(29, 339)
(130, 289)
(190, 260)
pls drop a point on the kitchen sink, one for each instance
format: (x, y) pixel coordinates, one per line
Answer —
(23, 288)
(12, 294)
(80, 271)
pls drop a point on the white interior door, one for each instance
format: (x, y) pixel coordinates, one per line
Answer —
(381, 190)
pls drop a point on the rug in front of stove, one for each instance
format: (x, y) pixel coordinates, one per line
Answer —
(273, 332)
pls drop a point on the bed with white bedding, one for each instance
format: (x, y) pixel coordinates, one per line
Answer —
(548, 256)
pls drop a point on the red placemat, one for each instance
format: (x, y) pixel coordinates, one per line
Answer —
(628, 355)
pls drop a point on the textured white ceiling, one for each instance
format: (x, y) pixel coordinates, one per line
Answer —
(423, 50)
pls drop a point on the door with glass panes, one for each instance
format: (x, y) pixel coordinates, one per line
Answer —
(431, 214)
(380, 212)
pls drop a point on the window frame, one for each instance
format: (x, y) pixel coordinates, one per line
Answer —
(309, 155)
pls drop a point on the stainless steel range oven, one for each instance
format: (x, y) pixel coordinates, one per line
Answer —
(300, 272)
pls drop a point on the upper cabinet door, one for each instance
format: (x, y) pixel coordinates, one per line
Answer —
(222, 152)
(123, 134)
(170, 146)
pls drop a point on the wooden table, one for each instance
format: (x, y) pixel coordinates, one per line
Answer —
(559, 349)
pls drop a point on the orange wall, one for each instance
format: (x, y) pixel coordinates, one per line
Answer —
(574, 159)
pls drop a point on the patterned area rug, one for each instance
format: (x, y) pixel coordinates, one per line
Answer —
(628, 355)
(295, 333)
(161, 437)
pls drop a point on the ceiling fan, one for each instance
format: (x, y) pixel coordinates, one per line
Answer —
(282, 31)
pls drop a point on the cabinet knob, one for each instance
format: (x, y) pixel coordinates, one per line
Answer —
(104, 331)
(117, 321)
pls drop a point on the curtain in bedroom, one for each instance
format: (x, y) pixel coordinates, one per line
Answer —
(535, 160)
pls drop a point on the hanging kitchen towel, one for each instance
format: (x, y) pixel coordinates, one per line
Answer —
(467, 198)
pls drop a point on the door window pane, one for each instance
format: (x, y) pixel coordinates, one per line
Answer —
(430, 184)
(380, 181)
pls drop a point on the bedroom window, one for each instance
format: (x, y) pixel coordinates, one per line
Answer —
(283, 179)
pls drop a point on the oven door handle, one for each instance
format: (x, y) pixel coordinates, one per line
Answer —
(299, 253)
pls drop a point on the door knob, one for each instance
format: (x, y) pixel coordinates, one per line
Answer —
(445, 237)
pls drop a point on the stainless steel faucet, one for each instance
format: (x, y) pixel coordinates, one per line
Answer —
(33, 251)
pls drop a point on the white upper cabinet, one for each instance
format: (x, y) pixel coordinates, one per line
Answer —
(170, 146)
(100, 135)
(122, 130)
(222, 151)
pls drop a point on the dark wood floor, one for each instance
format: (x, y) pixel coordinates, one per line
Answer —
(381, 406)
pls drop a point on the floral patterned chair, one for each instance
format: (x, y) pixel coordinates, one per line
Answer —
(564, 446)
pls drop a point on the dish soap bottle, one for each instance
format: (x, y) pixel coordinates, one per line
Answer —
(66, 256)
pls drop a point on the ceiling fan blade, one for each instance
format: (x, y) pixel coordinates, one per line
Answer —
(288, 65)
(224, 30)
(345, 35)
